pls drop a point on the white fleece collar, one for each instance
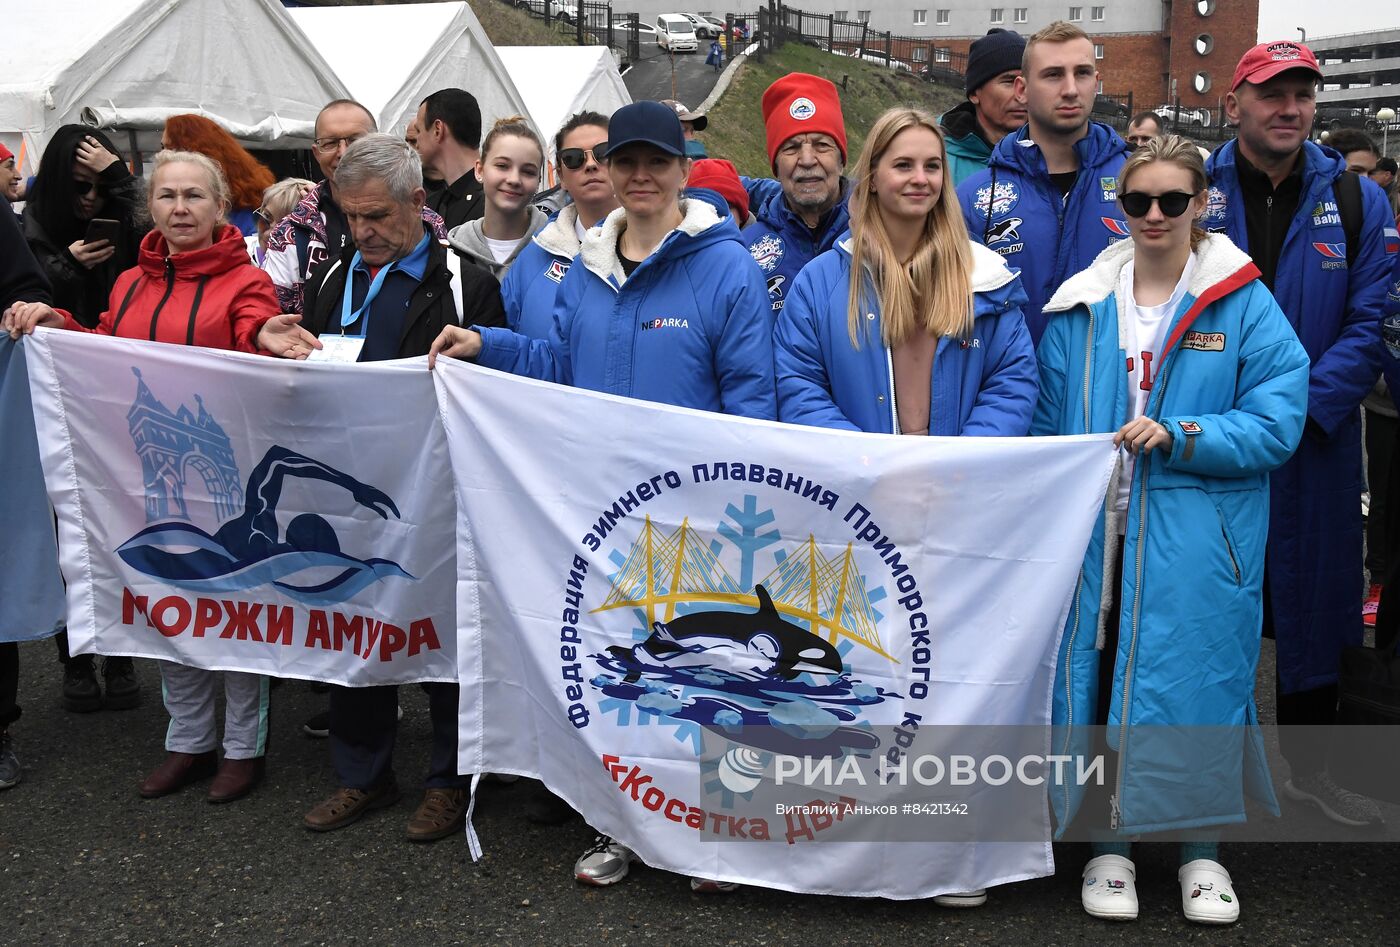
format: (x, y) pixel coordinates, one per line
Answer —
(989, 270)
(599, 249)
(559, 236)
(1217, 259)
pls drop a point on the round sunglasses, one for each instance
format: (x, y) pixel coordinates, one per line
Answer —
(1172, 203)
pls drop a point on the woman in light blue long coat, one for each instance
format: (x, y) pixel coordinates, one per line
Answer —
(1162, 639)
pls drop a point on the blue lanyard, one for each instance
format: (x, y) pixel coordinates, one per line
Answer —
(348, 318)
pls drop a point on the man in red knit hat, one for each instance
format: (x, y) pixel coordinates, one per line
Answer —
(804, 211)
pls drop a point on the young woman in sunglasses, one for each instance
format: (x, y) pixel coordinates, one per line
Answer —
(509, 169)
(529, 288)
(1170, 342)
(81, 177)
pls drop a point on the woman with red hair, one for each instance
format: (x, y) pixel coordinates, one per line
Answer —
(247, 177)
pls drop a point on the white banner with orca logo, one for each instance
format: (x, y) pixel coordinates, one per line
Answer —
(239, 512)
(673, 618)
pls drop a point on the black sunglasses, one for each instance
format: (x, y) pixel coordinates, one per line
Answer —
(574, 158)
(1172, 203)
(81, 188)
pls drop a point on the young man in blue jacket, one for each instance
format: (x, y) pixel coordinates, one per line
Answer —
(1047, 201)
(800, 215)
(1284, 200)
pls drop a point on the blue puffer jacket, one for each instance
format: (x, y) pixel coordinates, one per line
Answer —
(782, 243)
(985, 386)
(1231, 390)
(533, 279)
(1045, 239)
(690, 327)
(1315, 525)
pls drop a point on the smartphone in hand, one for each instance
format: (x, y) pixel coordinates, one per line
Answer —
(101, 229)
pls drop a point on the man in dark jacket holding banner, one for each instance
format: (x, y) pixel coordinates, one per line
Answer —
(389, 298)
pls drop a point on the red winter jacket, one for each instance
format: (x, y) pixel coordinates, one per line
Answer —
(213, 297)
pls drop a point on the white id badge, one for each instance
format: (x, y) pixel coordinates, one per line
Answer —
(338, 348)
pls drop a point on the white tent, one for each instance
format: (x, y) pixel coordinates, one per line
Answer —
(558, 81)
(392, 57)
(131, 63)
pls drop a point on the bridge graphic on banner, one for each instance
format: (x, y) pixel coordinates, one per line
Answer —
(662, 571)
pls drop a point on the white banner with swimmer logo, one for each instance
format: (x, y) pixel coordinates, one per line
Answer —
(239, 512)
(749, 650)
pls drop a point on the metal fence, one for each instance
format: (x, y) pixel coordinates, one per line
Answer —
(923, 56)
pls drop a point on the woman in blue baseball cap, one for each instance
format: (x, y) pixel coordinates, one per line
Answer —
(638, 270)
(664, 303)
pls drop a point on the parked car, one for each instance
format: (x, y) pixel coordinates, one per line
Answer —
(645, 31)
(676, 33)
(878, 58)
(941, 73)
(566, 11)
(1107, 108)
(1181, 115)
(705, 26)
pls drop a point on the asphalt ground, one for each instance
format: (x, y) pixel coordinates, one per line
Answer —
(650, 76)
(83, 859)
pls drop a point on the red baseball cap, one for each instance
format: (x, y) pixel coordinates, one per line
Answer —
(1267, 60)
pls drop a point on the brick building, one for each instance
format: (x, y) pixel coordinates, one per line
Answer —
(1158, 50)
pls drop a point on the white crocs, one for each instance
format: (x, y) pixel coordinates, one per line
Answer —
(1207, 893)
(1110, 888)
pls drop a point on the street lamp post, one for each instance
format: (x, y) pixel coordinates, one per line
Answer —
(1385, 116)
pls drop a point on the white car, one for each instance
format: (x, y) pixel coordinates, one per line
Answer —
(566, 11)
(644, 30)
(1181, 115)
(676, 33)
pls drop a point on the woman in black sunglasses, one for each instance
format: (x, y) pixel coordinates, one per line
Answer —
(1170, 342)
(81, 178)
(528, 289)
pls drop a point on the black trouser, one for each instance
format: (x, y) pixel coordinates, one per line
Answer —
(364, 725)
(9, 684)
(1298, 713)
(1095, 808)
(1381, 432)
(1388, 618)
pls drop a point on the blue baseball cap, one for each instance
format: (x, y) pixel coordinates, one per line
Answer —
(649, 123)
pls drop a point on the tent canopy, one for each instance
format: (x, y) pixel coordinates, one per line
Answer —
(558, 81)
(373, 49)
(131, 63)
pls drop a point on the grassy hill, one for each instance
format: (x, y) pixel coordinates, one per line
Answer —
(507, 26)
(736, 123)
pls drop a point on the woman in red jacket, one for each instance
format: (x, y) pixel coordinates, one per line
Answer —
(192, 285)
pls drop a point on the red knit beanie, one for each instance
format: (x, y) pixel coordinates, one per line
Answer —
(798, 103)
(5, 153)
(721, 176)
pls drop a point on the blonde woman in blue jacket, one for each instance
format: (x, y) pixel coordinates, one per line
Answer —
(930, 339)
(1170, 341)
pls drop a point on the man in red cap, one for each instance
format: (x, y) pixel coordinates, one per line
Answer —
(805, 212)
(1324, 243)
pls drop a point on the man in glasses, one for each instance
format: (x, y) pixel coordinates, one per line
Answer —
(448, 136)
(1048, 201)
(802, 216)
(1324, 242)
(316, 228)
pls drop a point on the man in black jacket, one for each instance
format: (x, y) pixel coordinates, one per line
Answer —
(390, 298)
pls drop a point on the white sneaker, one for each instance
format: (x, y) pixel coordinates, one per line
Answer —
(1110, 888)
(606, 862)
(962, 899)
(1207, 894)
